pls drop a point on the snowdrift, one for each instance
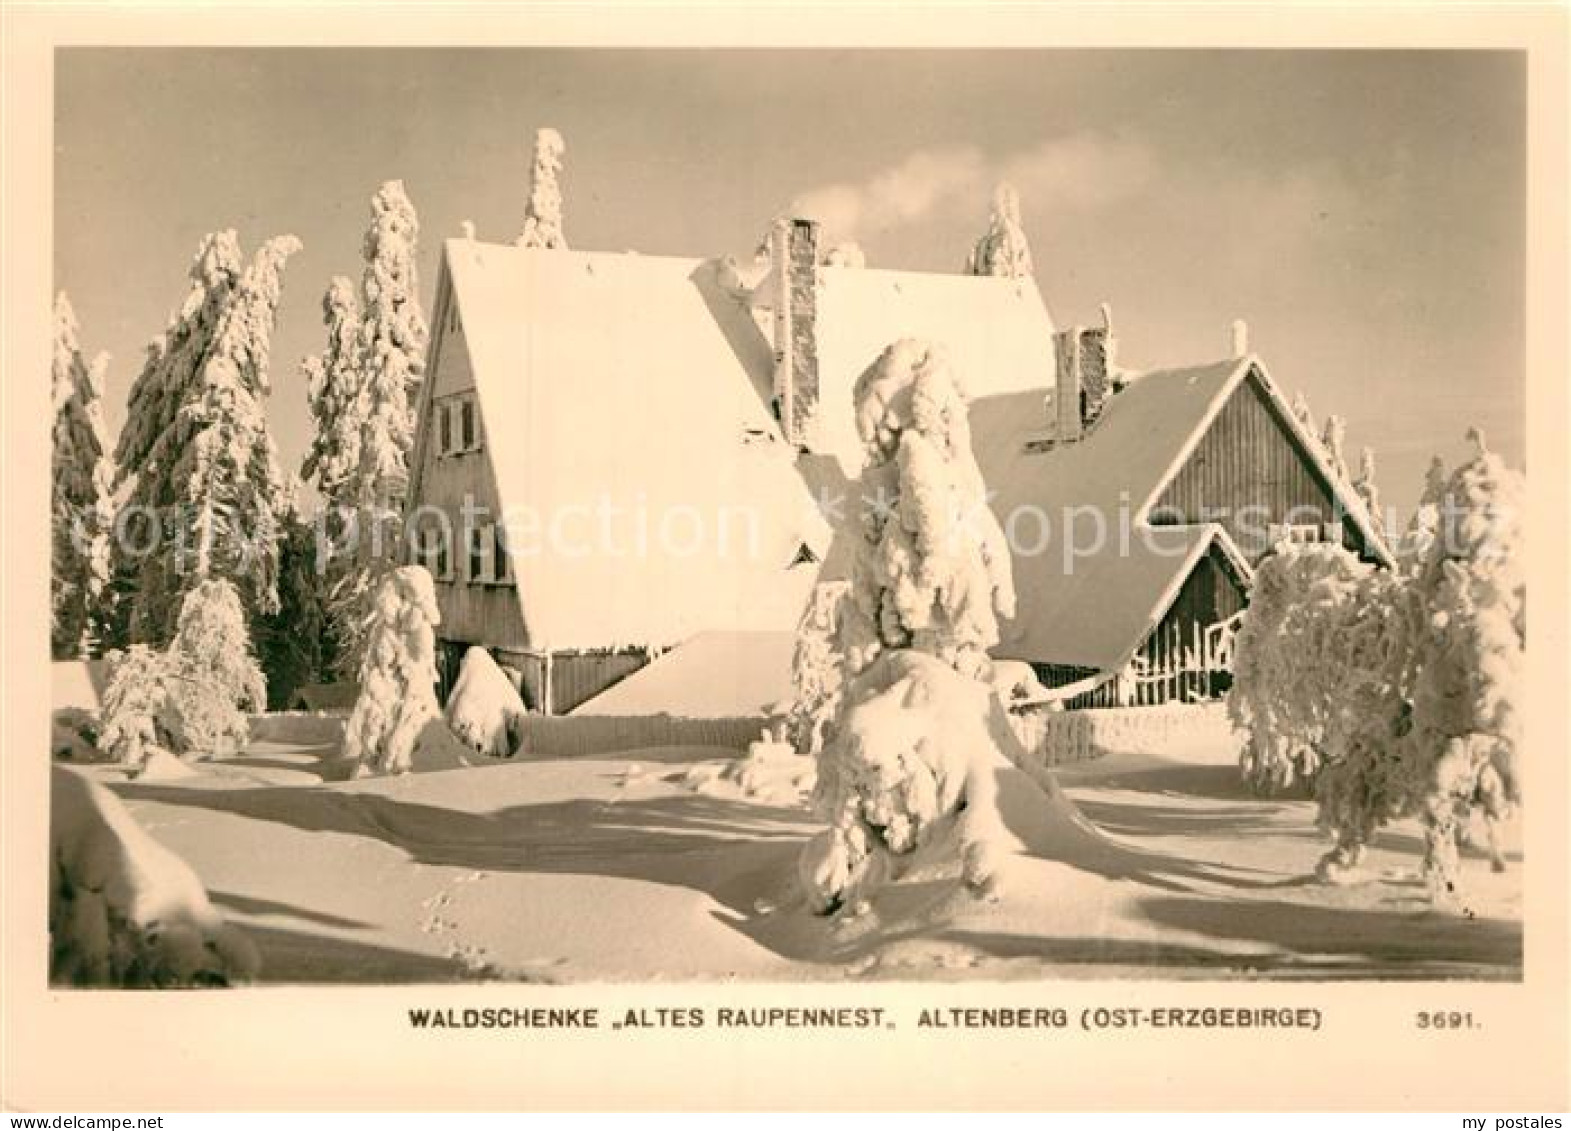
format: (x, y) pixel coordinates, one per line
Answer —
(124, 910)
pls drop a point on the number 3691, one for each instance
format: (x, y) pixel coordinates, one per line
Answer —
(1445, 1020)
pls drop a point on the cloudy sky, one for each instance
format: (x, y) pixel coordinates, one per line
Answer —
(1363, 211)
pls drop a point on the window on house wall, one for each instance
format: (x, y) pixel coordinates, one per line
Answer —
(504, 560)
(1333, 532)
(444, 553)
(468, 431)
(445, 429)
(472, 555)
(487, 554)
(1298, 533)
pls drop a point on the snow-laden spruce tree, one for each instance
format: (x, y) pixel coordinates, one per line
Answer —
(207, 488)
(1471, 661)
(333, 393)
(365, 479)
(191, 698)
(543, 214)
(1412, 548)
(1402, 687)
(82, 507)
(125, 911)
(1333, 441)
(485, 710)
(397, 702)
(917, 739)
(1368, 490)
(1003, 250)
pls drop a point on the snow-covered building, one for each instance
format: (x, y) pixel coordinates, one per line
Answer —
(1135, 516)
(666, 442)
(630, 419)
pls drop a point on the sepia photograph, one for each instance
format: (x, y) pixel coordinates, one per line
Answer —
(541, 517)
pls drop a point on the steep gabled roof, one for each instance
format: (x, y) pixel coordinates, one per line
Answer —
(996, 330)
(635, 383)
(1093, 607)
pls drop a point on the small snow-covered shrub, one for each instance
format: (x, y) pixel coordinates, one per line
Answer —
(192, 698)
(485, 709)
(138, 712)
(124, 910)
(397, 700)
(1395, 692)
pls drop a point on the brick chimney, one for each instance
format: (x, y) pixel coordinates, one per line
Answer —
(793, 247)
(1086, 364)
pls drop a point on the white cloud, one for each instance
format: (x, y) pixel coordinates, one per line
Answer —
(1075, 173)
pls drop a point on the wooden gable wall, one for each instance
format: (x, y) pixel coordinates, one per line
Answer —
(1250, 458)
(485, 614)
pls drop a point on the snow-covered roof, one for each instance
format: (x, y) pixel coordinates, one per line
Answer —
(634, 382)
(1093, 609)
(715, 675)
(648, 381)
(997, 332)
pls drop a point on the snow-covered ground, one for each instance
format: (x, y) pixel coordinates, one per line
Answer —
(663, 865)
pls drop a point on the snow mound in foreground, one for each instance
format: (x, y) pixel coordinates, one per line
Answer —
(485, 710)
(124, 910)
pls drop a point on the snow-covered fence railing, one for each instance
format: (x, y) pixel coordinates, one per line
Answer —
(1059, 738)
(587, 736)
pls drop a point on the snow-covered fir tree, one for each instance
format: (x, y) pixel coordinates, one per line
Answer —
(206, 485)
(911, 755)
(1413, 547)
(82, 507)
(1004, 249)
(1397, 693)
(397, 703)
(368, 388)
(1333, 441)
(333, 392)
(1305, 416)
(543, 214)
(1368, 490)
(391, 351)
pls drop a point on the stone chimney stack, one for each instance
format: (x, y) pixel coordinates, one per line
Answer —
(1087, 360)
(793, 248)
(1068, 394)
